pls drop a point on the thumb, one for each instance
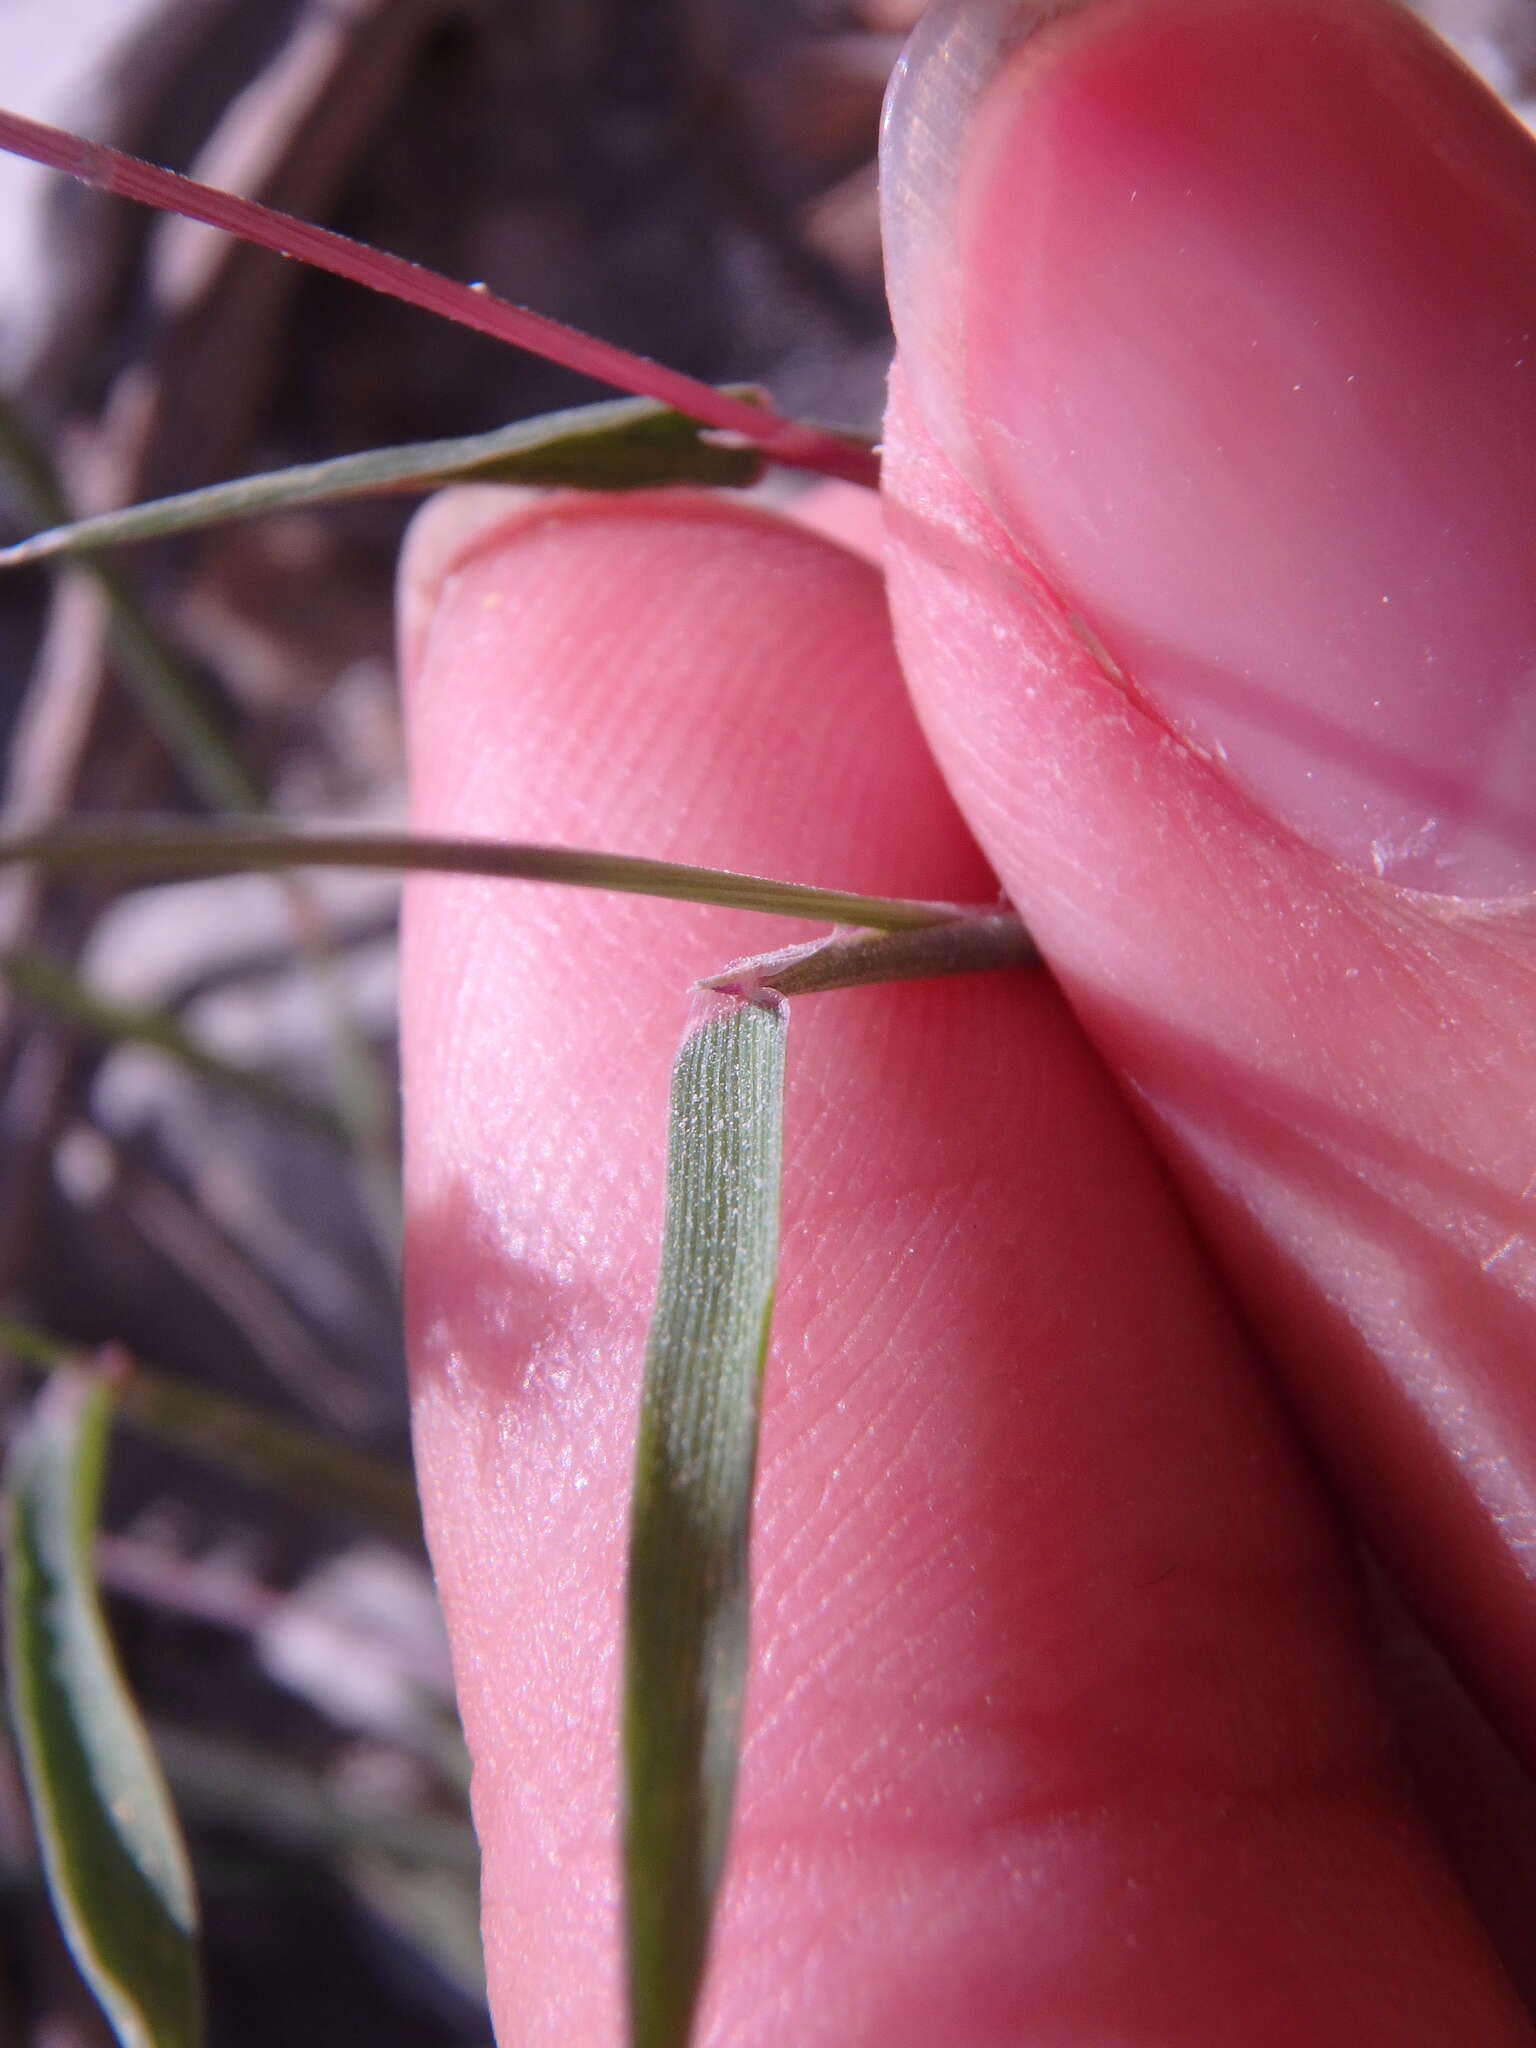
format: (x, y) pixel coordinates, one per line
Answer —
(1211, 483)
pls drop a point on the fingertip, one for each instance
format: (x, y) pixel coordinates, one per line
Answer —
(445, 530)
(1276, 450)
(1340, 1072)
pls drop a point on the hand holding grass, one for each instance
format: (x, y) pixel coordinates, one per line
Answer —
(1062, 1725)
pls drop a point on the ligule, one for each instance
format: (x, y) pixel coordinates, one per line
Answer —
(686, 1623)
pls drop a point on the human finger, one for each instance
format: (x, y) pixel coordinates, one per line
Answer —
(1059, 1722)
(1210, 492)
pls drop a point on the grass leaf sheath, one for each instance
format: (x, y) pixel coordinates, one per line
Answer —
(686, 1625)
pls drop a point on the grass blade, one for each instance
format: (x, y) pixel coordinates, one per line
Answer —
(112, 1853)
(623, 445)
(686, 1629)
(108, 170)
(136, 846)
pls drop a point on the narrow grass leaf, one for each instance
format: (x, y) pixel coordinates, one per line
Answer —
(622, 445)
(686, 1625)
(108, 170)
(138, 846)
(111, 1850)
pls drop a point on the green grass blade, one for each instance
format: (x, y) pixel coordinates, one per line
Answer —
(686, 1627)
(618, 446)
(136, 846)
(112, 1853)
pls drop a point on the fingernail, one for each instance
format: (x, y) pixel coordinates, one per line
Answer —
(950, 59)
(1228, 308)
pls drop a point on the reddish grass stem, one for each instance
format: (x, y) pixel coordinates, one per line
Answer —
(110, 170)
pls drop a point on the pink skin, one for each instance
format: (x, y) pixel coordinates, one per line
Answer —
(1064, 1726)
(1343, 1074)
